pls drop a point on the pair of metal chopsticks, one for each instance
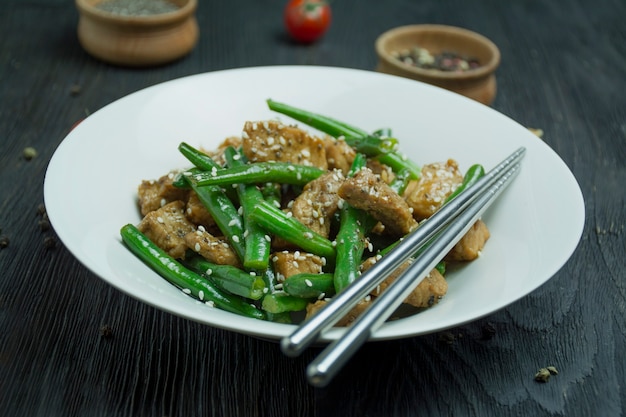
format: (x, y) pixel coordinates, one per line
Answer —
(441, 231)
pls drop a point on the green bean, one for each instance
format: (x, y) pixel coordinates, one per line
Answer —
(182, 277)
(372, 145)
(353, 226)
(335, 128)
(400, 181)
(399, 162)
(324, 124)
(223, 211)
(309, 285)
(229, 278)
(278, 223)
(280, 302)
(473, 174)
(257, 243)
(197, 157)
(269, 277)
(260, 172)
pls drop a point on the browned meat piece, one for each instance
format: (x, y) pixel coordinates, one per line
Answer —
(318, 202)
(368, 192)
(197, 212)
(211, 248)
(437, 182)
(339, 155)
(470, 245)
(356, 311)
(167, 228)
(287, 263)
(273, 141)
(155, 194)
(428, 292)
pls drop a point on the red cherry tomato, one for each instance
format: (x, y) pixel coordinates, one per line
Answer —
(307, 20)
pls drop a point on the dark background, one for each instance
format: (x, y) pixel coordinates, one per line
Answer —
(563, 70)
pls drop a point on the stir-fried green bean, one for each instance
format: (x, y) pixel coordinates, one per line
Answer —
(257, 243)
(182, 277)
(258, 173)
(223, 211)
(229, 278)
(351, 237)
(310, 286)
(276, 222)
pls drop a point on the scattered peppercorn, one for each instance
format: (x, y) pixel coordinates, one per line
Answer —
(49, 242)
(44, 225)
(29, 153)
(4, 242)
(106, 331)
(75, 90)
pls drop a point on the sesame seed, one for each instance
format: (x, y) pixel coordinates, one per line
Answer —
(308, 282)
(197, 247)
(322, 295)
(295, 264)
(236, 239)
(210, 303)
(186, 290)
(201, 295)
(244, 135)
(291, 168)
(308, 235)
(289, 214)
(209, 271)
(160, 219)
(254, 126)
(232, 222)
(201, 228)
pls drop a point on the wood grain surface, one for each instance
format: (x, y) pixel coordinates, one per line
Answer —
(71, 345)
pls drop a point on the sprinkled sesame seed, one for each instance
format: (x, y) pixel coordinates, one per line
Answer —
(289, 214)
(244, 135)
(210, 303)
(160, 219)
(186, 290)
(308, 282)
(291, 168)
(201, 295)
(268, 238)
(236, 239)
(232, 222)
(209, 271)
(308, 235)
(197, 247)
(295, 264)
(299, 176)
(322, 295)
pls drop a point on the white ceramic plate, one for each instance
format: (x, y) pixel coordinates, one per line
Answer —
(91, 182)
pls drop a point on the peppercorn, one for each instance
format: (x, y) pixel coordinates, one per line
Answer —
(4, 242)
(29, 153)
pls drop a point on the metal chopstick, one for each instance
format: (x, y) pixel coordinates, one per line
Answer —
(326, 365)
(310, 330)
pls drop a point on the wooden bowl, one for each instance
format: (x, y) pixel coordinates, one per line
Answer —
(477, 83)
(137, 40)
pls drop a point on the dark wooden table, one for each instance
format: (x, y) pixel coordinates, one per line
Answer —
(563, 70)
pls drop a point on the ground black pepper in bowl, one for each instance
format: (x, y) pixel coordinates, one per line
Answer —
(445, 61)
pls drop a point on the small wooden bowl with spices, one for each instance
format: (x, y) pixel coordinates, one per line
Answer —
(137, 33)
(450, 57)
